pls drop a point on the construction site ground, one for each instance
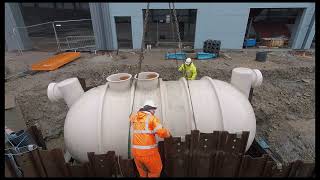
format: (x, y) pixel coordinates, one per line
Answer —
(284, 104)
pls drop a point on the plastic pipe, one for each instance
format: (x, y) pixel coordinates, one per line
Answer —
(256, 78)
(70, 90)
(120, 81)
(147, 80)
(244, 78)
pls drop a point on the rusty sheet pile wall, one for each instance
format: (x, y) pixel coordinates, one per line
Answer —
(200, 155)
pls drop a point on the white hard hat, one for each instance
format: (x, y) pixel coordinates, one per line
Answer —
(188, 61)
(150, 103)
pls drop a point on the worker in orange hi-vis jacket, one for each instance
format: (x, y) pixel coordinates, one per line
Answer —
(143, 143)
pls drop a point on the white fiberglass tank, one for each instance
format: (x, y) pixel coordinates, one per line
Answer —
(98, 120)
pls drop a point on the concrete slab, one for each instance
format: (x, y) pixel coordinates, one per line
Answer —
(13, 115)
(16, 63)
(9, 102)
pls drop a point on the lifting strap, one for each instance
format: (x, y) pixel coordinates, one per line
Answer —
(141, 57)
(184, 69)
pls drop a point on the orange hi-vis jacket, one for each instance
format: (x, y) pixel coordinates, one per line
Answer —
(145, 126)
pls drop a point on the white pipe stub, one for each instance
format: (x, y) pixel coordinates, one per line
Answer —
(70, 90)
(244, 78)
(53, 92)
(257, 80)
(147, 80)
(119, 81)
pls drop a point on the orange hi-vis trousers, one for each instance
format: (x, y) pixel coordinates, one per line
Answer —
(144, 145)
(149, 166)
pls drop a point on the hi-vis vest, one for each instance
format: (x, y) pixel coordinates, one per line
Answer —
(189, 72)
(143, 135)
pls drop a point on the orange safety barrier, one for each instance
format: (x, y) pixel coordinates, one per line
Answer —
(53, 63)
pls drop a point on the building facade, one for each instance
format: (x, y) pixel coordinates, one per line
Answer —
(120, 25)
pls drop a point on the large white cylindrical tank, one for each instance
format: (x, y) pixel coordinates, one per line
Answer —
(99, 120)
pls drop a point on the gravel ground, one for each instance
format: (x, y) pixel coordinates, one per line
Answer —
(284, 105)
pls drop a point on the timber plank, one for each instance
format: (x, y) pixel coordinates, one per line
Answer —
(125, 167)
(222, 140)
(103, 164)
(301, 169)
(54, 163)
(252, 167)
(78, 170)
(25, 162)
(227, 164)
(194, 147)
(203, 155)
(8, 172)
(269, 169)
(37, 136)
(175, 157)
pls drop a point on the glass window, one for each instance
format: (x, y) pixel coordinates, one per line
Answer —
(28, 4)
(68, 5)
(84, 5)
(46, 5)
(59, 5)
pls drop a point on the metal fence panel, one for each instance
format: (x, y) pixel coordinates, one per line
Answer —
(42, 36)
(75, 34)
(59, 35)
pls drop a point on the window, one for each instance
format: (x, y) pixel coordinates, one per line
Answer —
(28, 4)
(68, 5)
(84, 6)
(59, 5)
(46, 5)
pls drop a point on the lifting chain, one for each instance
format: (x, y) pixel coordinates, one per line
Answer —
(141, 57)
(172, 32)
(177, 26)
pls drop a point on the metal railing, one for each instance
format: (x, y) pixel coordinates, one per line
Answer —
(79, 42)
(57, 36)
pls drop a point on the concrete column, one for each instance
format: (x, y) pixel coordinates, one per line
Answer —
(137, 29)
(100, 17)
(13, 18)
(95, 11)
(310, 34)
(295, 28)
(6, 45)
(107, 25)
(302, 29)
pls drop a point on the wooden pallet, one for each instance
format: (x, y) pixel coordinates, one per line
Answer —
(54, 62)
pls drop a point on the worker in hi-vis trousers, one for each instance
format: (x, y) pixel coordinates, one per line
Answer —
(143, 143)
(188, 69)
